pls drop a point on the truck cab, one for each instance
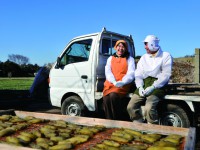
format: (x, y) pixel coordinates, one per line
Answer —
(77, 78)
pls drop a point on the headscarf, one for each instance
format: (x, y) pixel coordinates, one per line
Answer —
(123, 42)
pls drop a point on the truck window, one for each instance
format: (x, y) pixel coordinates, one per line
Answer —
(108, 47)
(77, 52)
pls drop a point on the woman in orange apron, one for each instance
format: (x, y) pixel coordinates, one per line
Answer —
(119, 71)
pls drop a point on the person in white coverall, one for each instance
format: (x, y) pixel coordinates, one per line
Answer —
(152, 74)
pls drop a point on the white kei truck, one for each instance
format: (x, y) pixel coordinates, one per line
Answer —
(76, 81)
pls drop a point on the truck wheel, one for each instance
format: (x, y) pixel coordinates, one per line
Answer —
(73, 106)
(173, 115)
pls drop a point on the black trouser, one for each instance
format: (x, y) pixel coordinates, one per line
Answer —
(112, 105)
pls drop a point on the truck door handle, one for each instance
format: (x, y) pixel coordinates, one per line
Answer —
(84, 76)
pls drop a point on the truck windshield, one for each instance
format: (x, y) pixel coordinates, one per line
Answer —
(77, 52)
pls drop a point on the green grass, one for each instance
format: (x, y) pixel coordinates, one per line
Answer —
(16, 83)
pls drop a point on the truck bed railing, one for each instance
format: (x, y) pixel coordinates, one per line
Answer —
(190, 89)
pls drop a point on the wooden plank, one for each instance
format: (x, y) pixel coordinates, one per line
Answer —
(12, 147)
(165, 130)
(9, 111)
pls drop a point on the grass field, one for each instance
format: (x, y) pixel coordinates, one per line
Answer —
(16, 83)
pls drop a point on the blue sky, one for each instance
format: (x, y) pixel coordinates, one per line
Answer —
(40, 29)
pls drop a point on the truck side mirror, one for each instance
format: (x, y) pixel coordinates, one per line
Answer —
(58, 63)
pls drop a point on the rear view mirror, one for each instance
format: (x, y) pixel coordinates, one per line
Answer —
(58, 63)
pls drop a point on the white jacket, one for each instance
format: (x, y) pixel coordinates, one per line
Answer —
(158, 66)
(128, 78)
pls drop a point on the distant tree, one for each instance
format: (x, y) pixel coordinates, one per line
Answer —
(11, 69)
(1, 69)
(49, 65)
(18, 59)
(189, 56)
(30, 69)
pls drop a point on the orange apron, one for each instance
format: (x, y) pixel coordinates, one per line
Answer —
(119, 67)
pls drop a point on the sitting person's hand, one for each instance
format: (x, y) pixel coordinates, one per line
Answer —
(141, 91)
(114, 83)
(149, 90)
(119, 84)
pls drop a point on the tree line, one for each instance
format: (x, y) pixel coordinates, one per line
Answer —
(18, 66)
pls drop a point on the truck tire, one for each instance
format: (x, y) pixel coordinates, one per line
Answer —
(73, 106)
(173, 115)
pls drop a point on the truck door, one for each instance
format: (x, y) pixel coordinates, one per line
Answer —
(73, 71)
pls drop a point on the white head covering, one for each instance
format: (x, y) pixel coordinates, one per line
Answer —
(153, 42)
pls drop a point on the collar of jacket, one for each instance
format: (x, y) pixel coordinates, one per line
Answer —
(159, 53)
(124, 56)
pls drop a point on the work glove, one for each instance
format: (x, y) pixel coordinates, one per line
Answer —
(114, 83)
(141, 91)
(119, 84)
(149, 90)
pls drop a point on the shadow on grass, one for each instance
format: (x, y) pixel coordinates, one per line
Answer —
(18, 99)
(13, 94)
